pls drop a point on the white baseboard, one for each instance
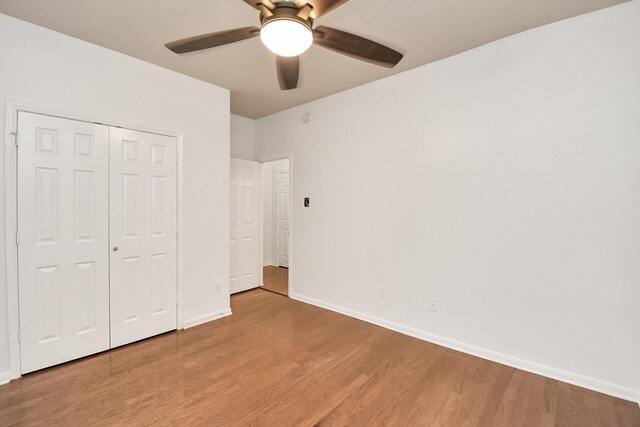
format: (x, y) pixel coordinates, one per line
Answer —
(504, 359)
(206, 318)
(5, 377)
(270, 264)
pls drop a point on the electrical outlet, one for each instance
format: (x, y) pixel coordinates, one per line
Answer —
(381, 292)
(218, 287)
(433, 305)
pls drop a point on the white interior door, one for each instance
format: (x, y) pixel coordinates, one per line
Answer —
(244, 218)
(143, 234)
(63, 258)
(284, 206)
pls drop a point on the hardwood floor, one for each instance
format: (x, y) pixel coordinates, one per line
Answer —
(276, 279)
(279, 362)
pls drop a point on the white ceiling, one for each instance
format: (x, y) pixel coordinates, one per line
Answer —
(424, 30)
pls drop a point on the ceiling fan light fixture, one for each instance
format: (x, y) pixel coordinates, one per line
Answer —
(286, 37)
(287, 30)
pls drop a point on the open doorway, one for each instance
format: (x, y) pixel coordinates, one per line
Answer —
(275, 187)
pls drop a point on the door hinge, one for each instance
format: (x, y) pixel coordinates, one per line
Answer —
(15, 134)
(19, 335)
(17, 239)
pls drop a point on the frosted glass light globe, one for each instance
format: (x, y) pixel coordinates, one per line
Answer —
(286, 37)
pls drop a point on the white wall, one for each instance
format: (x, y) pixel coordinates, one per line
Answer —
(269, 187)
(50, 70)
(243, 138)
(503, 182)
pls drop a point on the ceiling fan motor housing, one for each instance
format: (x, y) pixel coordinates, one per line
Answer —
(286, 11)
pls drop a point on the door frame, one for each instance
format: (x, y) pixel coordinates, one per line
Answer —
(291, 223)
(12, 109)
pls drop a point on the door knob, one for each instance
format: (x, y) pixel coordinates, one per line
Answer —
(115, 248)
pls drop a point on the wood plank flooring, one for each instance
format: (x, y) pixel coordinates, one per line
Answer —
(276, 279)
(279, 362)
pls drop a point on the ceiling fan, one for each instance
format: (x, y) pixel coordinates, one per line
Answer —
(286, 28)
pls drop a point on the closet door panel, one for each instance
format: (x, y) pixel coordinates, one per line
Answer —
(143, 235)
(63, 251)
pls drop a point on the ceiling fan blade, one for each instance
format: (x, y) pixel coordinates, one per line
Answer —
(322, 7)
(288, 71)
(206, 41)
(257, 4)
(356, 47)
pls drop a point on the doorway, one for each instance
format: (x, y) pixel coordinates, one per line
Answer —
(276, 217)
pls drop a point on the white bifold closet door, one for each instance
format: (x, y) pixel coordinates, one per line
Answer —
(143, 234)
(63, 250)
(96, 238)
(244, 218)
